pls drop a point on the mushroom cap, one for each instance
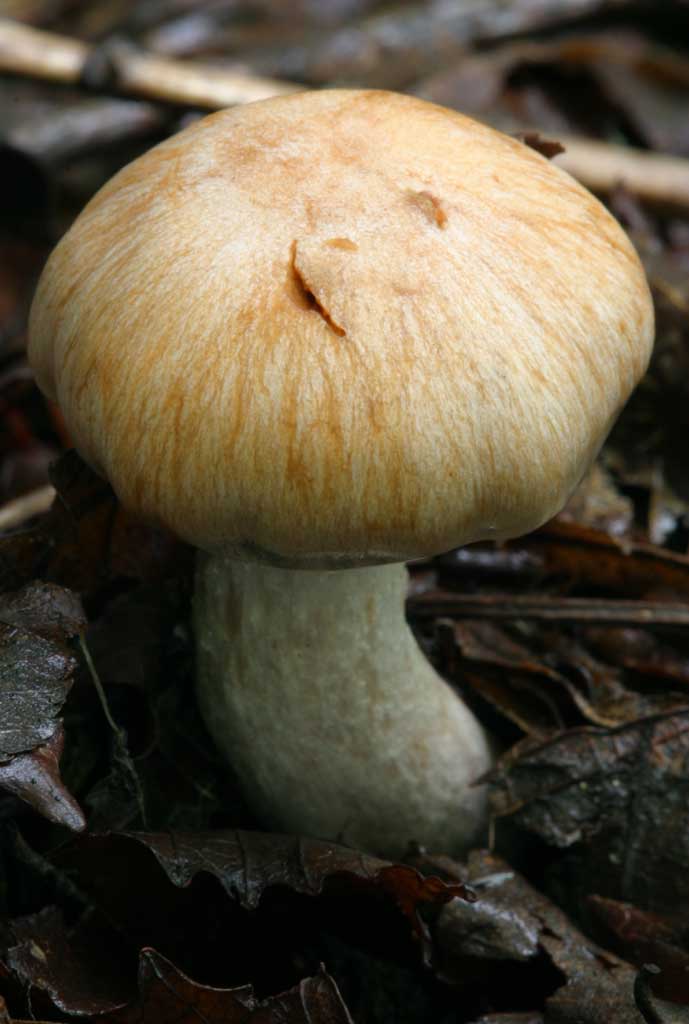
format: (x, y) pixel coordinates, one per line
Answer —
(341, 328)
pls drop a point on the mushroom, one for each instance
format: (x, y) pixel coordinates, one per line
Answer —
(318, 336)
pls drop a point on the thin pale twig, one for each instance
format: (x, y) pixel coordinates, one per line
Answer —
(35, 53)
(122, 754)
(16, 512)
(582, 610)
(600, 166)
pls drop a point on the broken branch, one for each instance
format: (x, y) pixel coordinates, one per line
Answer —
(587, 611)
(120, 67)
(39, 54)
(16, 512)
(602, 166)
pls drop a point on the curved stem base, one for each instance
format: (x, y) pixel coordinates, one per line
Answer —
(313, 686)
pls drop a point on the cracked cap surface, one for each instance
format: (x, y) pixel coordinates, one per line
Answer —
(339, 328)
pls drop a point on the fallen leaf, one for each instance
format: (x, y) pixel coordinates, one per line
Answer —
(79, 975)
(581, 555)
(617, 796)
(148, 881)
(513, 922)
(35, 778)
(248, 863)
(595, 83)
(643, 937)
(35, 677)
(166, 994)
(87, 539)
(524, 684)
(44, 609)
(36, 670)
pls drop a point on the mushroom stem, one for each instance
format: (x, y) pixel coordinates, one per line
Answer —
(314, 687)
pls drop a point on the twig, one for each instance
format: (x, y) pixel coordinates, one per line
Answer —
(587, 611)
(120, 67)
(121, 751)
(99, 688)
(29, 51)
(60, 880)
(602, 166)
(16, 512)
(642, 994)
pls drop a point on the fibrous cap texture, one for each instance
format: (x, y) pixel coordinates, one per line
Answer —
(341, 327)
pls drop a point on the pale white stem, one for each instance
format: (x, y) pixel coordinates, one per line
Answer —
(315, 689)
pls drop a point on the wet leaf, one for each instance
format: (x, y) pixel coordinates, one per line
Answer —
(620, 795)
(77, 974)
(44, 609)
(512, 921)
(248, 863)
(166, 994)
(156, 887)
(35, 778)
(581, 555)
(524, 685)
(35, 677)
(643, 937)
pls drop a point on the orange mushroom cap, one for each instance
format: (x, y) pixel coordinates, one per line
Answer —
(341, 328)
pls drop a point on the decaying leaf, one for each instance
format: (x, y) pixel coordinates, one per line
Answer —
(512, 921)
(35, 677)
(590, 83)
(86, 539)
(642, 938)
(45, 609)
(35, 778)
(77, 975)
(527, 686)
(82, 977)
(36, 670)
(156, 887)
(166, 994)
(619, 797)
(247, 864)
(578, 554)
